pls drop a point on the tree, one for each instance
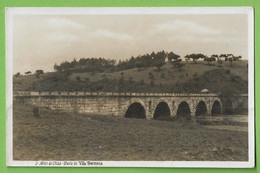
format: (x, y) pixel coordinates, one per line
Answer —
(230, 58)
(215, 56)
(195, 57)
(39, 72)
(186, 59)
(172, 56)
(153, 55)
(237, 58)
(65, 66)
(73, 63)
(28, 72)
(222, 56)
(18, 74)
(139, 65)
(177, 63)
(210, 59)
(160, 59)
(57, 67)
(175, 60)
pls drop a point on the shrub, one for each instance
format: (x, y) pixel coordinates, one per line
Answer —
(130, 79)
(151, 76)
(35, 111)
(121, 80)
(228, 71)
(141, 82)
(78, 78)
(162, 75)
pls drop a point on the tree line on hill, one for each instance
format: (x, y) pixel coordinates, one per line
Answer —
(142, 61)
(148, 60)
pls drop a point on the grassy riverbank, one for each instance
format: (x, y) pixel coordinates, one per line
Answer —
(66, 136)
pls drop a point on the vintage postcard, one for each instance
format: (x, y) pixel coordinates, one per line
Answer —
(130, 87)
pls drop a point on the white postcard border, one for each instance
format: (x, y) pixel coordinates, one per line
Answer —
(10, 12)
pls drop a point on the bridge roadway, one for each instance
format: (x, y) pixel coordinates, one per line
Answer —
(138, 105)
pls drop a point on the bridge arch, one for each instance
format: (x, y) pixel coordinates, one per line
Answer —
(135, 110)
(216, 108)
(162, 111)
(183, 110)
(134, 103)
(201, 109)
(156, 102)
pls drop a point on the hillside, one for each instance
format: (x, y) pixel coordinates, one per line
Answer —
(190, 78)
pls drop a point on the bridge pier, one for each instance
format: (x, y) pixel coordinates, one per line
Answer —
(149, 116)
(192, 114)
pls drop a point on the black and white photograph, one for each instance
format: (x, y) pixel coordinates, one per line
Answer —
(130, 87)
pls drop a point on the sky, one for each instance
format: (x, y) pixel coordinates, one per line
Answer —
(40, 41)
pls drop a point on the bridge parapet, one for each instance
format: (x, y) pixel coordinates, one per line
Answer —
(122, 94)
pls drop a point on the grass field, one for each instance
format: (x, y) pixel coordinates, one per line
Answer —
(65, 136)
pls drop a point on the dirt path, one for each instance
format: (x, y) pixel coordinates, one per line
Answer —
(228, 127)
(227, 122)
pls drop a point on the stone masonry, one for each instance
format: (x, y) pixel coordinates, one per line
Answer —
(116, 104)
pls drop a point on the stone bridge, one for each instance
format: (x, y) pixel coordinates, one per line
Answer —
(137, 105)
